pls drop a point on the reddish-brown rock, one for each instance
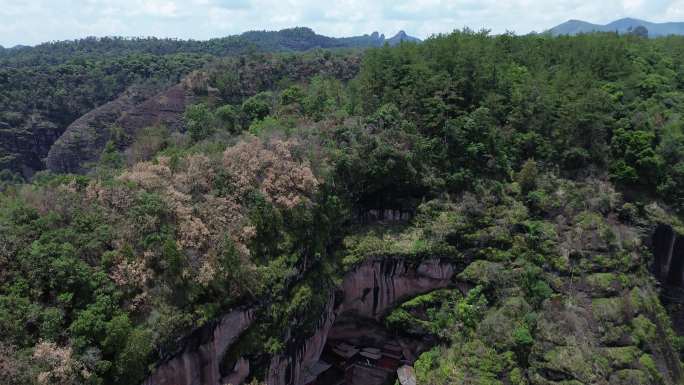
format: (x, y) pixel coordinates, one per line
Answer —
(369, 291)
(378, 285)
(199, 363)
(83, 141)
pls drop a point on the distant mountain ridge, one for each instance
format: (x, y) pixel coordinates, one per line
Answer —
(80, 76)
(291, 39)
(401, 36)
(626, 25)
(303, 38)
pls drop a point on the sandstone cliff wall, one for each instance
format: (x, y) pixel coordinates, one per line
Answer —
(370, 290)
(198, 363)
(85, 138)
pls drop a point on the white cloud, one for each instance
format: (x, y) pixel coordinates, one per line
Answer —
(160, 8)
(32, 22)
(676, 9)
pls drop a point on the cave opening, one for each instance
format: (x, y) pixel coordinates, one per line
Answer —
(363, 351)
(382, 320)
(676, 268)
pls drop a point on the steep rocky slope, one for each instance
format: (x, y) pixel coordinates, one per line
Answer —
(83, 141)
(599, 320)
(22, 148)
(39, 100)
(81, 145)
(600, 323)
(368, 291)
(668, 268)
(47, 88)
(201, 353)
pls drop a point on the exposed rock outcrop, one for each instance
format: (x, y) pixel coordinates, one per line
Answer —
(239, 374)
(368, 291)
(165, 108)
(406, 375)
(668, 267)
(288, 368)
(378, 285)
(84, 139)
(401, 37)
(198, 363)
(384, 215)
(668, 250)
(22, 148)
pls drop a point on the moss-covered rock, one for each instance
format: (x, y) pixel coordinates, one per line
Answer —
(629, 377)
(622, 357)
(617, 335)
(609, 309)
(643, 330)
(605, 284)
(648, 364)
(483, 272)
(575, 362)
(500, 324)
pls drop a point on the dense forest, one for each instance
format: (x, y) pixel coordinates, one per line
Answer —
(536, 167)
(45, 88)
(286, 40)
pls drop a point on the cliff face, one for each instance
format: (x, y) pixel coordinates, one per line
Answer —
(165, 108)
(290, 368)
(368, 291)
(84, 139)
(23, 148)
(668, 250)
(668, 267)
(377, 286)
(198, 363)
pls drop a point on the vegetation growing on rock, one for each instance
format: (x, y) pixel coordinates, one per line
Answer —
(540, 166)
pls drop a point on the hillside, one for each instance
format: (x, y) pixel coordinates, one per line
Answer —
(46, 88)
(292, 39)
(474, 209)
(401, 36)
(626, 25)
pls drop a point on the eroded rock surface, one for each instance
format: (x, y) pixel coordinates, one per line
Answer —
(198, 363)
(288, 368)
(368, 291)
(668, 267)
(406, 375)
(84, 139)
(378, 285)
(668, 250)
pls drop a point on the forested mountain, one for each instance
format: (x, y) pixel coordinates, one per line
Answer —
(626, 25)
(45, 88)
(38, 102)
(292, 39)
(484, 209)
(401, 36)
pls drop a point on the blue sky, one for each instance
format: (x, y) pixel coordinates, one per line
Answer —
(34, 21)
